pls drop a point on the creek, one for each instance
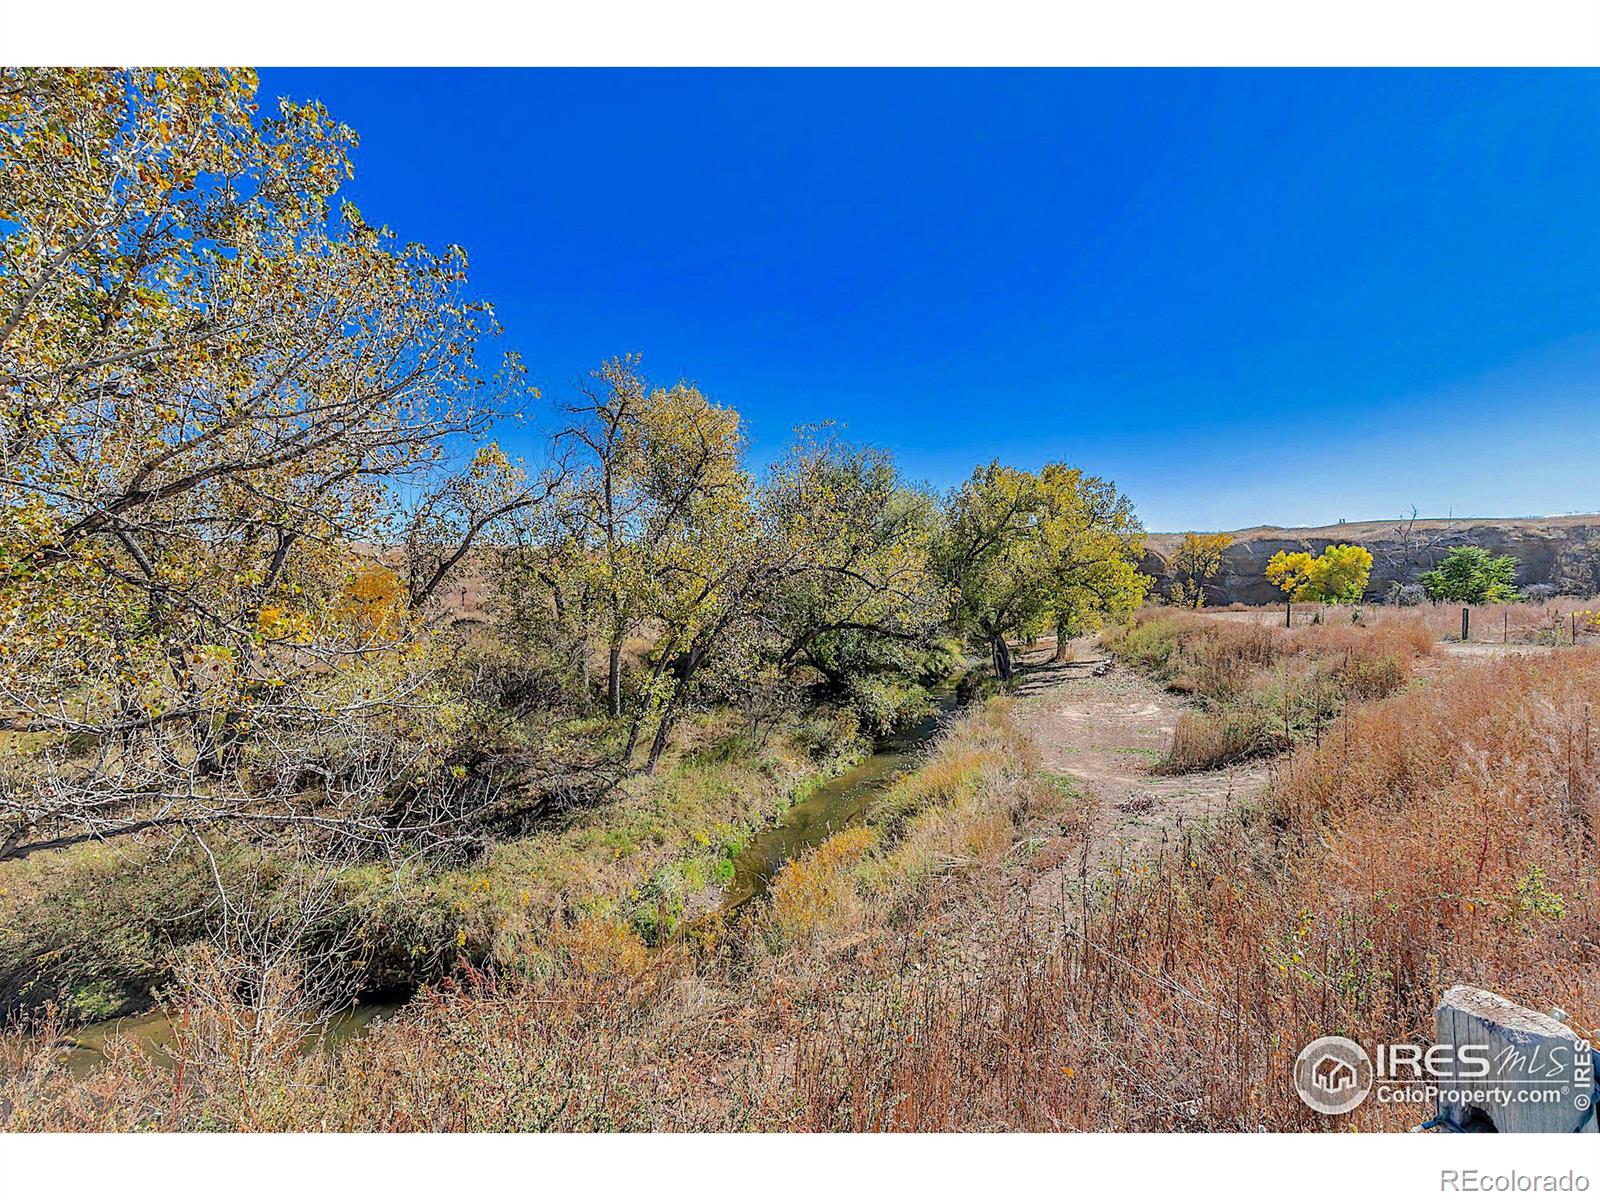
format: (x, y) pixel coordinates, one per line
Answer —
(837, 804)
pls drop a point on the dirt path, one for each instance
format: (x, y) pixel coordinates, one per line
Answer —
(1483, 650)
(1106, 733)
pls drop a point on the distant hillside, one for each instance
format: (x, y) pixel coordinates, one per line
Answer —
(1561, 551)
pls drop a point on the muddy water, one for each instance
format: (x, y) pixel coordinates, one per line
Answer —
(835, 805)
(153, 1031)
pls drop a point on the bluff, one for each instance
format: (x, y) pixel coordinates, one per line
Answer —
(1561, 551)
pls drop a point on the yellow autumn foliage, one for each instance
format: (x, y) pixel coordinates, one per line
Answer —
(372, 603)
(815, 896)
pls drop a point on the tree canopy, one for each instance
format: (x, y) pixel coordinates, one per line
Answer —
(1195, 563)
(1471, 575)
(220, 383)
(1336, 576)
(1021, 550)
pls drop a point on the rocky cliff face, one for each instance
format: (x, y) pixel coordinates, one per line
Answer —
(1561, 551)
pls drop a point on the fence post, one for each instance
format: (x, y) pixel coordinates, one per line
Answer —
(1540, 1076)
(1465, 613)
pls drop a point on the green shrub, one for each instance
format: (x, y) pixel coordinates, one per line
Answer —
(1471, 575)
(885, 704)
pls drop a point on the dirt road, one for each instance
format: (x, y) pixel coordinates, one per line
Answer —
(1107, 732)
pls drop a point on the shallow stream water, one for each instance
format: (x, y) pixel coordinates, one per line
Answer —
(153, 1031)
(835, 805)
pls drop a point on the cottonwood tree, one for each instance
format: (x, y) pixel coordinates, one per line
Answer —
(1021, 548)
(655, 522)
(1338, 575)
(1097, 541)
(696, 546)
(994, 559)
(547, 603)
(825, 564)
(1290, 572)
(829, 550)
(217, 384)
(611, 520)
(476, 506)
(854, 595)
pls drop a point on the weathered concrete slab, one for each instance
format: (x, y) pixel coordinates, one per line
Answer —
(1512, 1070)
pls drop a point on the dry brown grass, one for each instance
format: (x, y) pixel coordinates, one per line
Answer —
(1261, 688)
(1008, 979)
(814, 896)
(1549, 623)
(1440, 836)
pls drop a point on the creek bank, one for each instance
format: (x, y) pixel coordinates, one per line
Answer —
(831, 807)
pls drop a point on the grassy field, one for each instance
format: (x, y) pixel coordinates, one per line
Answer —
(1261, 688)
(1522, 623)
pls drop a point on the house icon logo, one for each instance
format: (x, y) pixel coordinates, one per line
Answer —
(1333, 1075)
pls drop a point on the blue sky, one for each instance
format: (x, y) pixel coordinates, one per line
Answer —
(1247, 296)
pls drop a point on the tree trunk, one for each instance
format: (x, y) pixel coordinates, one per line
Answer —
(669, 715)
(633, 741)
(663, 732)
(1063, 642)
(614, 678)
(665, 657)
(1002, 658)
(580, 651)
(585, 680)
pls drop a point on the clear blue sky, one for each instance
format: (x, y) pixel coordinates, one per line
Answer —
(1248, 297)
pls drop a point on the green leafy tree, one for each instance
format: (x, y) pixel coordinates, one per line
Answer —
(1471, 575)
(1022, 549)
(827, 562)
(858, 598)
(995, 560)
(695, 550)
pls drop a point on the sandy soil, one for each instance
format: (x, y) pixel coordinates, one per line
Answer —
(1487, 650)
(1106, 733)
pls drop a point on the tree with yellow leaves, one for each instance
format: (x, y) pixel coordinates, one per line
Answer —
(1097, 542)
(220, 388)
(373, 603)
(1337, 576)
(1022, 549)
